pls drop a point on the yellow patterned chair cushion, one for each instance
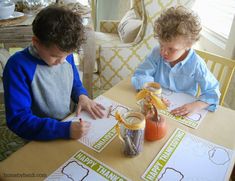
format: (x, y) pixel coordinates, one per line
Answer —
(117, 60)
(108, 26)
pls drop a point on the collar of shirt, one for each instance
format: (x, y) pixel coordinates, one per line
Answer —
(187, 57)
(33, 51)
(181, 63)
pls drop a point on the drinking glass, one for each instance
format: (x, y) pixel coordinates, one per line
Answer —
(34, 5)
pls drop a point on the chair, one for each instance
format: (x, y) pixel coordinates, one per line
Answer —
(117, 60)
(9, 141)
(222, 68)
(4, 55)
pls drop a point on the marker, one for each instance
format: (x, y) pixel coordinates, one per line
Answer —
(109, 111)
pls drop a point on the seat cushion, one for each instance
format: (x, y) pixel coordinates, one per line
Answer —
(9, 141)
(107, 39)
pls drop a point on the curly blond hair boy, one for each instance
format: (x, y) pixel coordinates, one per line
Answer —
(175, 65)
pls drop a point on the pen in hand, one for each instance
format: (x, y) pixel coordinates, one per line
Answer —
(109, 111)
(79, 128)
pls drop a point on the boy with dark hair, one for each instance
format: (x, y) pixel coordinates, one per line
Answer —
(40, 81)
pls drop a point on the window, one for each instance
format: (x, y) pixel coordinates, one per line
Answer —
(84, 2)
(217, 18)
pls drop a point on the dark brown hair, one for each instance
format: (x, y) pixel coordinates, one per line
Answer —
(59, 26)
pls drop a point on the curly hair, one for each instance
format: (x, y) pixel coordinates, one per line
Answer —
(59, 26)
(178, 21)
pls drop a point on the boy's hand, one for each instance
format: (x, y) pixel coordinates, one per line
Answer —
(190, 108)
(79, 129)
(166, 102)
(95, 109)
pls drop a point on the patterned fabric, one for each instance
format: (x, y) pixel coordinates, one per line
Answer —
(117, 60)
(9, 141)
(109, 26)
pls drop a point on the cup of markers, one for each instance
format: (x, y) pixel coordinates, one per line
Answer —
(130, 129)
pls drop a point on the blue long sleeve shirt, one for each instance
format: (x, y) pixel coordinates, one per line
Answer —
(186, 76)
(38, 96)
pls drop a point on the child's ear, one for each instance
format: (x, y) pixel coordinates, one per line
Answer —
(35, 40)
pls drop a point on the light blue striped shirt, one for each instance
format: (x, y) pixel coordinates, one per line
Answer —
(184, 77)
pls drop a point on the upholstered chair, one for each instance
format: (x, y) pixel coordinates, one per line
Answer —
(116, 59)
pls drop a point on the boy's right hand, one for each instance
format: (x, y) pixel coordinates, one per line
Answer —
(79, 129)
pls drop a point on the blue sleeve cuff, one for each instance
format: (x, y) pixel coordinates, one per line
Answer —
(41, 129)
(213, 105)
(63, 130)
(138, 82)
